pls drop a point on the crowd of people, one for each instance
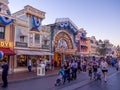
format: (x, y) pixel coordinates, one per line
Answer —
(96, 67)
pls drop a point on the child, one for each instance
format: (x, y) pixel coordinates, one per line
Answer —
(99, 72)
(61, 77)
(58, 80)
(90, 71)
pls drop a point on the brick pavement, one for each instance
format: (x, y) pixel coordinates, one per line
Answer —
(21, 76)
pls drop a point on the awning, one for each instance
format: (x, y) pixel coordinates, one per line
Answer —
(7, 51)
(31, 52)
(47, 53)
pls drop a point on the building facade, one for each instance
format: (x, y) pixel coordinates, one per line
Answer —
(118, 51)
(93, 46)
(6, 33)
(110, 49)
(31, 38)
(63, 42)
(83, 43)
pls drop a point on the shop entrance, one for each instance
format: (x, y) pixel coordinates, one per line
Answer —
(62, 44)
(58, 59)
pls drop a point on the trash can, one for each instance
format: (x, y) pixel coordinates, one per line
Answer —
(41, 70)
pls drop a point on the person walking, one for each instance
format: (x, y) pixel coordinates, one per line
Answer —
(119, 63)
(117, 66)
(29, 65)
(5, 69)
(90, 70)
(104, 67)
(79, 65)
(74, 69)
(67, 71)
(113, 62)
(95, 67)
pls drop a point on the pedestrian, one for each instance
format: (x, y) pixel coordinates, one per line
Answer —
(67, 71)
(52, 62)
(119, 63)
(84, 63)
(104, 67)
(79, 65)
(61, 73)
(29, 65)
(74, 69)
(95, 67)
(5, 68)
(90, 70)
(117, 66)
(99, 73)
(113, 62)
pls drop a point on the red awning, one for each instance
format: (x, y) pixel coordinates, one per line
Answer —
(7, 51)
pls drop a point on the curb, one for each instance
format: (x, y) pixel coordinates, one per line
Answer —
(27, 79)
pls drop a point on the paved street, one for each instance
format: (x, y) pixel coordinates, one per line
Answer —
(48, 83)
(112, 84)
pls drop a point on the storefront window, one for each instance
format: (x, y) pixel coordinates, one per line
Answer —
(37, 38)
(21, 61)
(21, 38)
(2, 32)
(31, 39)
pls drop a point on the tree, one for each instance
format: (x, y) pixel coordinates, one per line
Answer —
(100, 41)
(102, 50)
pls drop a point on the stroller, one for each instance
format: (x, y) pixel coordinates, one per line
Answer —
(59, 80)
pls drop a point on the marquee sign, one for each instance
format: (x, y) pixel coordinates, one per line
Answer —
(67, 51)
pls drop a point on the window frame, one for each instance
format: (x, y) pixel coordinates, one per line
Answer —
(37, 41)
(2, 33)
(22, 38)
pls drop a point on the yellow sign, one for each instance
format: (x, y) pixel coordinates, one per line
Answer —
(65, 51)
(6, 44)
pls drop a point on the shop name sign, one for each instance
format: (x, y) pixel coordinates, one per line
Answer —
(21, 44)
(6, 44)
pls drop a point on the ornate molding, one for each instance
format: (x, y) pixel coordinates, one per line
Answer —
(4, 2)
(2, 14)
(33, 11)
(19, 13)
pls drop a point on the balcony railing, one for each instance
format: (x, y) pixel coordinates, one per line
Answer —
(45, 46)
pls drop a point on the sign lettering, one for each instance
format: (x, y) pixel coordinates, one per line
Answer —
(6, 44)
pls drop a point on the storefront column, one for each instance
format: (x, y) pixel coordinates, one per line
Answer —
(11, 64)
(15, 61)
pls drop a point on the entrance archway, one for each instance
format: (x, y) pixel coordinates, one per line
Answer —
(63, 45)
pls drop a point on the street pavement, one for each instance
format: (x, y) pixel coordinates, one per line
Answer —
(82, 83)
(113, 83)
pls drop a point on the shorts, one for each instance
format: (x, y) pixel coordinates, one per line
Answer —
(90, 74)
(104, 71)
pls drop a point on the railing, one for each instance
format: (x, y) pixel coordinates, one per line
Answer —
(45, 46)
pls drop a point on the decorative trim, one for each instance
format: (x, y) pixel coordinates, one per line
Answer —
(36, 22)
(5, 20)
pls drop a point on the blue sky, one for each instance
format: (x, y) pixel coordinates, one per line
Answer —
(100, 18)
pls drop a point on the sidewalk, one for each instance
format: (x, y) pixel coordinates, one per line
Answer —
(21, 76)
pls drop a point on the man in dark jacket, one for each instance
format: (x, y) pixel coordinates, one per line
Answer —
(5, 68)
